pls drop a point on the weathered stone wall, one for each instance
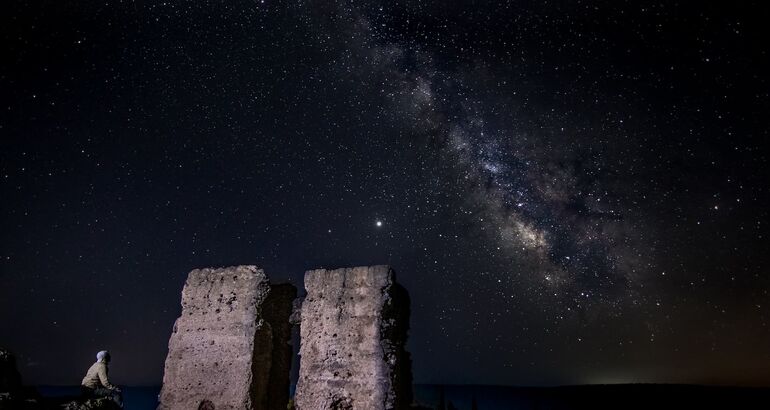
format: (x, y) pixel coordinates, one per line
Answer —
(229, 345)
(354, 324)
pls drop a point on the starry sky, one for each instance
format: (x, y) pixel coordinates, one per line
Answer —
(573, 192)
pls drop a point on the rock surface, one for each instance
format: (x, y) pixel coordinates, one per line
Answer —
(354, 324)
(91, 404)
(230, 347)
(10, 380)
(13, 395)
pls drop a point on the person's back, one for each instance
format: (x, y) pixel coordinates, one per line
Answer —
(96, 383)
(96, 377)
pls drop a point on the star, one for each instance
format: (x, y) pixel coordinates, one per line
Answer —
(502, 175)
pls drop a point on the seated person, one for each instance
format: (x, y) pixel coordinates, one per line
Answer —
(97, 384)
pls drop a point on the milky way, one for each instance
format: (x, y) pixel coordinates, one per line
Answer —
(571, 192)
(536, 194)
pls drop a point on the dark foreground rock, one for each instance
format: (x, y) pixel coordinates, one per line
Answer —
(10, 380)
(12, 394)
(91, 404)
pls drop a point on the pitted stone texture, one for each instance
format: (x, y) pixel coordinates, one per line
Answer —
(353, 329)
(221, 350)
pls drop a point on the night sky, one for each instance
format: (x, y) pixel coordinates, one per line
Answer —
(572, 192)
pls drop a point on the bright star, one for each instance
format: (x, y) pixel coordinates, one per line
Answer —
(378, 223)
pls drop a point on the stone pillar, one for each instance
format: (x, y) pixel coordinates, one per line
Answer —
(228, 346)
(354, 324)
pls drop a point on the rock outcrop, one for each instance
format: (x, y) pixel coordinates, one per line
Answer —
(13, 395)
(101, 403)
(230, 348)
(10, 380)
(354, 325)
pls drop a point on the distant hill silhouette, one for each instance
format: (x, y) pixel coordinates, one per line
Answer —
(621, 396)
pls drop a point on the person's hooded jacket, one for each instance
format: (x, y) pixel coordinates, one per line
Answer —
(96, 376)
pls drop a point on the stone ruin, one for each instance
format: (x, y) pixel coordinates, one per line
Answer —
(230, 348)
(354, 325)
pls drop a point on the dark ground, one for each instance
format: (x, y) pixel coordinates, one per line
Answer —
(622, 396)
